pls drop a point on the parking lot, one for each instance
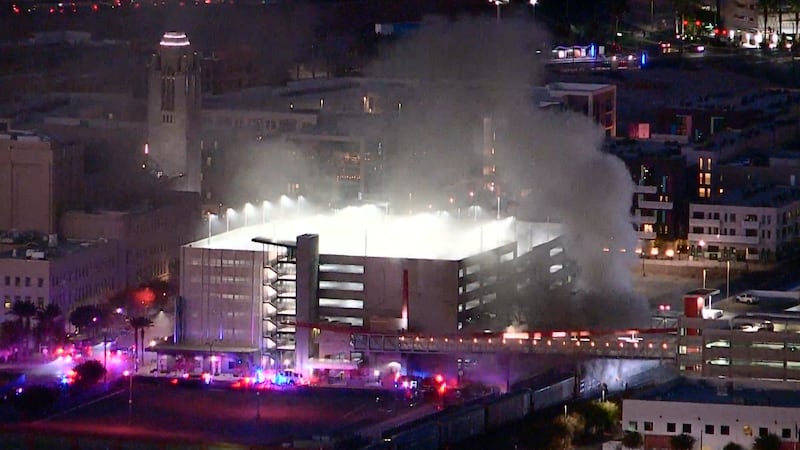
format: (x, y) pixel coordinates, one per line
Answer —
(219, 414)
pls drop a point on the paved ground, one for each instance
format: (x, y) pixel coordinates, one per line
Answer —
(221, 415)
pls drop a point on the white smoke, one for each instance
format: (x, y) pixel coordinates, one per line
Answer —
(550, 162)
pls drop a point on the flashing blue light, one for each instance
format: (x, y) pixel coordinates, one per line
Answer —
(643, 59)
(592, 52)
(260, 375)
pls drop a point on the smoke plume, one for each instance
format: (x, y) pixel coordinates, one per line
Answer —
(549, 163)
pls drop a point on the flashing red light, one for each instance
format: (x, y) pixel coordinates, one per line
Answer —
(125, 373)
(95, 7)
(16, 9)
(439, 379)
(52, 10)
(664, 307)
(686, 22)
(724, 31)
(697, 22)
(442, 389)
(174, 381)
(716, 31)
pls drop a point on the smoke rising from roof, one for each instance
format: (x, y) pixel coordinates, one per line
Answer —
(550, 163)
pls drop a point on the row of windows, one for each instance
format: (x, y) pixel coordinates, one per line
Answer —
(709, 429)
(18, 281)
(730, 217)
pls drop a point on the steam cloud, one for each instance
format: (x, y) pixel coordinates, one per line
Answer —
(549, 161)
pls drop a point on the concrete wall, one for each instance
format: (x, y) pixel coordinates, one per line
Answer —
(222, 293)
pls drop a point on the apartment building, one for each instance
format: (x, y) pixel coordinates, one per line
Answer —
(713, 413)
(751, 224)
(39, 178)
(66, 273)
(149, 236)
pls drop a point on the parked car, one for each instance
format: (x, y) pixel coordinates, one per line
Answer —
(747, 298)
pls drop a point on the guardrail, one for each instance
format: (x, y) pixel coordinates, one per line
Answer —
(654, 346)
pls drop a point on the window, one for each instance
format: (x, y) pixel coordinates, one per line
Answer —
(16, 281)
(724, 430)
(648, 426)
(709, 429)
(763, 431)
(786, 433)
(41, 282)
(686, 428)
(670, 427)
(747, 430)
(27, 281)
(8, 281)
(633, 425)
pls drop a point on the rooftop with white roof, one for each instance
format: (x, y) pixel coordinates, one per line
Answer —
(367, 231)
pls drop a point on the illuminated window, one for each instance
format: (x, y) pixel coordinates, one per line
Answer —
(747, 430)
(8, 303)
(700, 163)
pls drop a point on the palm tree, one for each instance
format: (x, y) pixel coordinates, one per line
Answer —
(766, 6)
(617, 8)
(24, 310)
(46, 319)
(681, 442)
(794, 6)
(632, 439)
(767, 442)
(682, 8)
(139, 323)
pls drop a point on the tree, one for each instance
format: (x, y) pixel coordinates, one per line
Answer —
(632, 439)
(573, 423)
(11, 334)
(794, 7)
(560, 437)
(139, 323)
(732, 446)
(89, 373)
(767, 6)
(769, 441)
(617, 8)
(86, 317)
(681, 442)
(600, 416)
(47, 323)
(24, 310)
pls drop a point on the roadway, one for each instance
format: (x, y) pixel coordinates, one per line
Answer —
(218, 414)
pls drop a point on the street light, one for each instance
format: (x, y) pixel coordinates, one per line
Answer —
(705, 272)
(728, 279)
(264, 207)
(248, 207)
(228, 213)
(497, 3)
(210, 217)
